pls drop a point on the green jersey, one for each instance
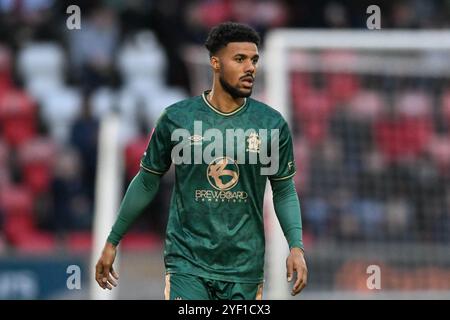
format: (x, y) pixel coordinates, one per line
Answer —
(222, 162)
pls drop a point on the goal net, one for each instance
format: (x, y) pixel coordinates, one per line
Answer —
(370, 114)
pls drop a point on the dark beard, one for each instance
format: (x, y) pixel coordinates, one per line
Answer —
(232, 91)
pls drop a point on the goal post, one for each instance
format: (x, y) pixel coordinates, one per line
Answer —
(108, 190)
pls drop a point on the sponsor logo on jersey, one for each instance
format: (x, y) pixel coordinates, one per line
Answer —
(223, 173)
(221, 196)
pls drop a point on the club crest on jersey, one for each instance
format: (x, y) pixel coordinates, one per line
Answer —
(254, 142)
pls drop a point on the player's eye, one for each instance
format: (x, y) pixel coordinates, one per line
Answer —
(255, 61)
(239, 59)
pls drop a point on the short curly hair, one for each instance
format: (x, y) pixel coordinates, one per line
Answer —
(227, 32)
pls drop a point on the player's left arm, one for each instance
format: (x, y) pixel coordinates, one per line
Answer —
(287, 209)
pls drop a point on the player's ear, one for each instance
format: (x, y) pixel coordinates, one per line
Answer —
(215, 64)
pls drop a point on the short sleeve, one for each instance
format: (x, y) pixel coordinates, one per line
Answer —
(157, 157)
(286, 167)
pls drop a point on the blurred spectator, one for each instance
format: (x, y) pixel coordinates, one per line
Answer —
(344, 220)
(72, 208)
(263, 15)
(26, 9)
(404, 15)
(399, 218)
(317, 216)
(24, 20)
(168, 21)
(444, 226)
(370, 215)
(355, 134)
(335, 15)
(84, 137)
(427, 187)
(372, 176)
(326, 173)
(439, 150)
(93, 48)
(445, 111)
(4, 164)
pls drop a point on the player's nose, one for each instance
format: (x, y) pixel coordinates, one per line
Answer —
(249, 68)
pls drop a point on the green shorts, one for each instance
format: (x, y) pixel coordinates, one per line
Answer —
(181, 286)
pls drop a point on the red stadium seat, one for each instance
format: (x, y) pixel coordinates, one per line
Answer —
(313, 105)
(300, 85)
(409, 132)
(342, 86)
(6, 82)
(312, 112)
(211, 13)
(133, 154)
(17, 204)
(402, 137)
(38, 177)
(17, 117)
(36, 158)
(141, 241)
(35, 242)
(79, 241)
(19, 224)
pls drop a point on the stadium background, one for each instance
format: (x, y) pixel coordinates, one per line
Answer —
(373, 152)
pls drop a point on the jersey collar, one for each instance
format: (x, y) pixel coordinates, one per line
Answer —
(220, 112)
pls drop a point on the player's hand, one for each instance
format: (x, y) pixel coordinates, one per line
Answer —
(104, 272)
(295, 262)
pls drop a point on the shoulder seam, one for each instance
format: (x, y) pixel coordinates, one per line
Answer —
(283, 178)
(150, 170)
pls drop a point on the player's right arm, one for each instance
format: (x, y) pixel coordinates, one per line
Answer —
(140, 193)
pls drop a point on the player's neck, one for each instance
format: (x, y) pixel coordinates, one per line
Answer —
(223, 101)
